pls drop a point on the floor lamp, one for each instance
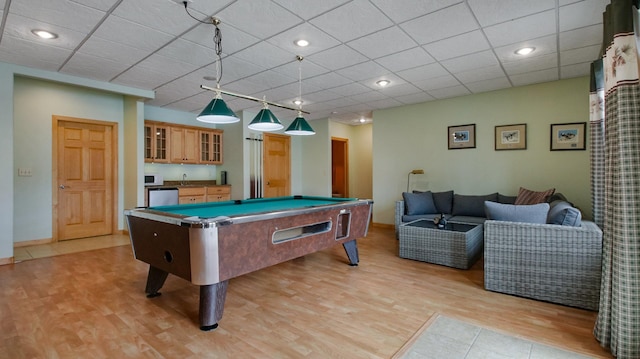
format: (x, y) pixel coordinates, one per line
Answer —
(414, 172)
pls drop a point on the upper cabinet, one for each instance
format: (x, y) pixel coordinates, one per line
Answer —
(156, 142)
(211, 146)
(171, 143)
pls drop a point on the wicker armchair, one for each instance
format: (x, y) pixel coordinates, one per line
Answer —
(549, 262)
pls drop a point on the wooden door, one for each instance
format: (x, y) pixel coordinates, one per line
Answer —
(277, 165)
(339, 167)
(84, 175)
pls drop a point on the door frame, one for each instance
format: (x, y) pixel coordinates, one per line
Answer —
(54, 169)
(345, 152)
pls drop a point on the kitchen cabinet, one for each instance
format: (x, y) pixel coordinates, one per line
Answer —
(184, 145)
(191, 195)
(211, 147)
(156, 142)
(218, 193)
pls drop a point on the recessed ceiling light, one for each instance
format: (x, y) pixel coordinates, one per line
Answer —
(362, 120)
(301, 42)
(525, 50)
(383, 83)
(44, 34)
(298, 102)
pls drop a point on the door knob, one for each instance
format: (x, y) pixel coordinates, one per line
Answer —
(62, 186)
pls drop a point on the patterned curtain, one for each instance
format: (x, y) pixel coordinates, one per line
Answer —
(615, 144)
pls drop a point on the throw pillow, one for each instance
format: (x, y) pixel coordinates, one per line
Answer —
(443, 201)
(526, 196)
(465, 205)
(527, 213)
(418, 203)
(563, 213)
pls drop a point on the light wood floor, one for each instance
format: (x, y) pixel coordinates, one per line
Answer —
(92, 305)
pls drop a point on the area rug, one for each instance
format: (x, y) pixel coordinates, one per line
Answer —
(441, 337)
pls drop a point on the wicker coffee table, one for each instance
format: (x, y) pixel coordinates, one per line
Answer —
(457, 245)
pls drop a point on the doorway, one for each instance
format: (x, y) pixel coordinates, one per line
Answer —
(84, 173)
(277, 165)
(339, 167)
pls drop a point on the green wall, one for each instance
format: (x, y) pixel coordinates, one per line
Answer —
(415, 137)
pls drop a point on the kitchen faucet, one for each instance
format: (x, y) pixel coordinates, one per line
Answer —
(184, 179)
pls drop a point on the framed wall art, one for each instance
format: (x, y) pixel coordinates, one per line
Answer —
(511, 137)
(568, 136)
(463, 136)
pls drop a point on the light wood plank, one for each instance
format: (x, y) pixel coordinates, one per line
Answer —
(92, 304)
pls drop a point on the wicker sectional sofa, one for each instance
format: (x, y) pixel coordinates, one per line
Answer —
(550, 262)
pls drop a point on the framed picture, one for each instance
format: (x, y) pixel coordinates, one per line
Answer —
(511, 137)
(568, 136)
(463, 136)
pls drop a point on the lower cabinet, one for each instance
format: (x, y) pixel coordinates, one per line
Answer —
(218, 193)
(191, 195)
(204, 194)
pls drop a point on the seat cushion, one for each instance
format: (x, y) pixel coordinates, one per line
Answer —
(443, 201)
(473, 206)
(418, 203)
(528, 213)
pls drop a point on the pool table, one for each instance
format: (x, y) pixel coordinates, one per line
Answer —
(210, 243)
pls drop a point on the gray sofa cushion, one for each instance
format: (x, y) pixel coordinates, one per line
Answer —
(563, 213)
(443, 201)
(473, 206)
(418, 203)
(506, 199)
(528, 213)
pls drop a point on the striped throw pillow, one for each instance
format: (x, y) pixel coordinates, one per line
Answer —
(526, 196)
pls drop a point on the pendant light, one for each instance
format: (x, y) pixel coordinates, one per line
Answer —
(217, 110)
(299, 126)
(265, 120)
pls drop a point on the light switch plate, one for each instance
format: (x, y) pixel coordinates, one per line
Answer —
(24, 172)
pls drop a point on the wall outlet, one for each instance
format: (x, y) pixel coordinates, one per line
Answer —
(24, 172)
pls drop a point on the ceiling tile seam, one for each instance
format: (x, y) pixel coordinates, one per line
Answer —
(5, 14)
(504, 71)
(417, 17)
(86, 38)
(176, 37)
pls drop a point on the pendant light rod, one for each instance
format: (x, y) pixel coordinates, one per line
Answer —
(204, 87)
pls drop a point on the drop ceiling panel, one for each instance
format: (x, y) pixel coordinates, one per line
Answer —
(488, 85)
(309, 9)
(581, 14)
(233, 40)
(382, 43)
(337, 57)
(440, 25)
(363, 71)
(436, 83)
(576, 70)
(549, 61)
(485, 73)
(318, 40)
(423, 72)
(188, 52)
(20, 27)
(121, 30)
(93, 67)
(113, 51)
(543, 46)
(65, 14)
(352, 20)
(581, 55)
(261, 21)
(102, 5)
(415, 98)
(18, 51)
(165, 16)
(449, 92)
(401, 11)
(534, 77)
(266, 55)
(522, 29)
(591, 35)
(350, 89)
(469, 62)
(407, 59)
(498, 11)
(460, 45)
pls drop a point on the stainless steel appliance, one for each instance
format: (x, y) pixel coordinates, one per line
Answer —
(163, 196)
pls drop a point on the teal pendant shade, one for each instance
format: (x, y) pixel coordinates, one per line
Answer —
(265, 120)
(300, 127)
(217, 112)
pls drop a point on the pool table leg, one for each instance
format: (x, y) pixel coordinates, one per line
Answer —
(155, 281)
(351, 247)
(212, 299)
